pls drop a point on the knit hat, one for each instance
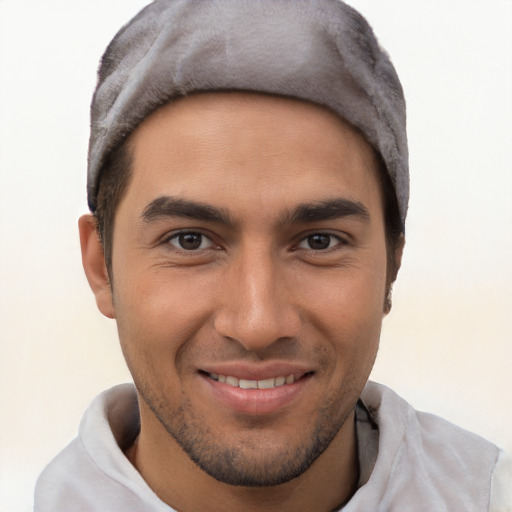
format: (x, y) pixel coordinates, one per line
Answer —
(322, 51)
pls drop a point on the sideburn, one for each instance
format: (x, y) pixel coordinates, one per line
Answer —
(115, 178)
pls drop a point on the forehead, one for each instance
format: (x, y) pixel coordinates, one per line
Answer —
(237, 147)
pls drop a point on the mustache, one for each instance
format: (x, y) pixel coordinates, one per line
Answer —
(229, 349)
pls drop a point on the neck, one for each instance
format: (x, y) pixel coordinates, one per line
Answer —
(329, 482)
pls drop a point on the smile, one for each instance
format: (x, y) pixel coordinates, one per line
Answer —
(271, 383)
(255, 389)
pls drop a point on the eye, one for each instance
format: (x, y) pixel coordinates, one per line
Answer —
(190, 241)
(319, 242)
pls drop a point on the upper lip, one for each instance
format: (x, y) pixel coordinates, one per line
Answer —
(257, 371)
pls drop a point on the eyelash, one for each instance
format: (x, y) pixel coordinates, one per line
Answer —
(176, 236)
(308, 239)
(338, 241)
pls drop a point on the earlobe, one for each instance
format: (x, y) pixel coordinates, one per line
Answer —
(95, 268)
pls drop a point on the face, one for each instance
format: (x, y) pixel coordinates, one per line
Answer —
(249, 278)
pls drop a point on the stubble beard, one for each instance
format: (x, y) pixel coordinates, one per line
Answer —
(244, 464)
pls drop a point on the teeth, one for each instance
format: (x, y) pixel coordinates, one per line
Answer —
(267, 383)
(253, 384)
(280, 381)
(232, 381)
(248, 384)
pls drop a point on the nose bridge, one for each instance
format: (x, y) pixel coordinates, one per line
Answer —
(257, 310)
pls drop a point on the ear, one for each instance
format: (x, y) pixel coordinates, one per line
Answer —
(393, 272)
(95, 268)
(399, 251)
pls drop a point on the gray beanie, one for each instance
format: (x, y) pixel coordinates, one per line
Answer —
(321, 51)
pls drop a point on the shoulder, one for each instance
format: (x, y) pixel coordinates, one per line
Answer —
(501, 484)
(68, 477)
(399, 421)
(92, 473)
(424, 461)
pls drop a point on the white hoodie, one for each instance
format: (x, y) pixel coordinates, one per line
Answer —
(417, 463)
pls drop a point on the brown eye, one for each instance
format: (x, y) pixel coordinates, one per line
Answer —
(319, 242)
(190, 241)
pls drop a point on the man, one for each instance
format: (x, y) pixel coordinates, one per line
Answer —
(248, 185)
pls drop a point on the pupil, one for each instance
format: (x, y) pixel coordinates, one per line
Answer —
(190, 241)
(319, 241)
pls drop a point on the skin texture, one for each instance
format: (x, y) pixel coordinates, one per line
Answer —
(250, 242)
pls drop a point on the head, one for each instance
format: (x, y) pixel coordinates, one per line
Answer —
(251, 224)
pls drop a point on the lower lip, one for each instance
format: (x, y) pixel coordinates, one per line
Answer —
(256, 401)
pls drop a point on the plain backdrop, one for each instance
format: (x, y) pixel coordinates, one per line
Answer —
(446, 346)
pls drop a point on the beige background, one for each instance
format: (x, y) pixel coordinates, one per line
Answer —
(447, 344)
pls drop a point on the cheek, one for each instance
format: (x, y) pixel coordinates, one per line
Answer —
(350, 296)
(346, 307)
(161, 308)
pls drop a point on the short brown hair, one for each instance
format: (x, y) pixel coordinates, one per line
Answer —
(114, 180)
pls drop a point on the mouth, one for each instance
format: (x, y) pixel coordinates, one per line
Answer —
(272, 382)
(256, 394)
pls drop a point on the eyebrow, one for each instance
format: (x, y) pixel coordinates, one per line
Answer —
(168, 206)
(331, 209)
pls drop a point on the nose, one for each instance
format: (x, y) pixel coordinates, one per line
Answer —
(257, 307)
